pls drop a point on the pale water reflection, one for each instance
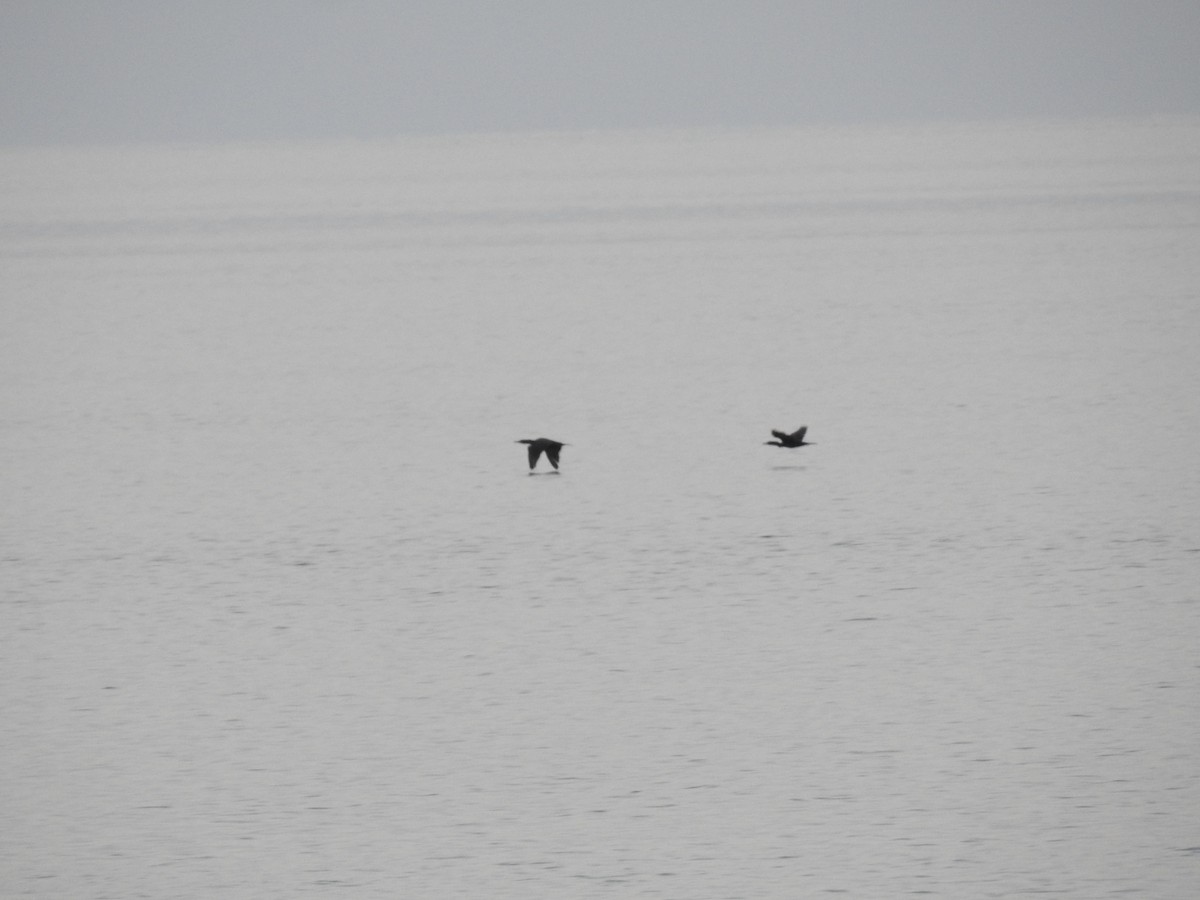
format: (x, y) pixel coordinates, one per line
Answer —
(286, 616)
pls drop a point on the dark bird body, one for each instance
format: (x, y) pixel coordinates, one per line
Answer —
(795, 439)
(543, 445)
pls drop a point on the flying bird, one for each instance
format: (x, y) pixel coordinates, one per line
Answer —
(795, 439)
(543, 445)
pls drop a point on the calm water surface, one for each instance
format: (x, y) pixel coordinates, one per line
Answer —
(286, 616)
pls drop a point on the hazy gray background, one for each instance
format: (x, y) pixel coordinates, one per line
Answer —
(128, 70)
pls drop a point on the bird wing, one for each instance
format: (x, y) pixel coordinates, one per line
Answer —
(799, 435)
(534, 452)
(780, 435)
(552, 454)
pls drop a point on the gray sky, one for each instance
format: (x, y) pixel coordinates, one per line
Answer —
(164, 70)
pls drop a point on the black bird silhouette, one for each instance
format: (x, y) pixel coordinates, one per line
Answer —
(543, 445)
(795, 439)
